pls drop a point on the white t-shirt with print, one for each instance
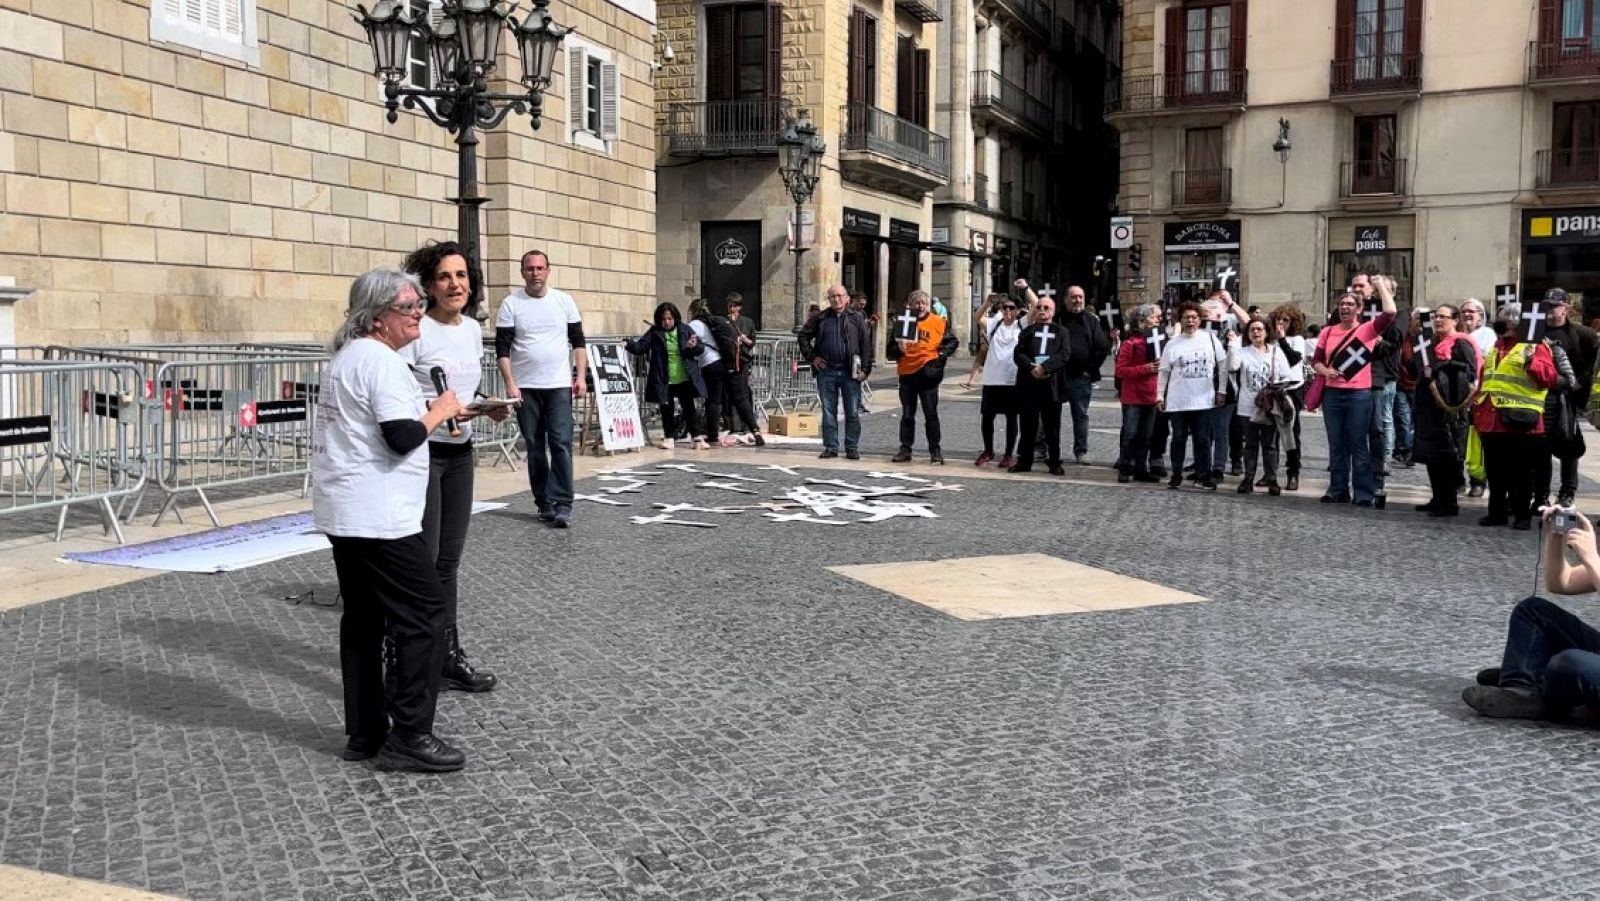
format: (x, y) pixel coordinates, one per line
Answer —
(702, 331)
(1188, 375)
(1256, 369)
(359, 488)
(541, 357)
(458, 350)
(1000, 366)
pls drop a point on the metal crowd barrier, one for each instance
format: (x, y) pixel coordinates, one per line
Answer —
(69, 434)
(779, 379)
(231, 422)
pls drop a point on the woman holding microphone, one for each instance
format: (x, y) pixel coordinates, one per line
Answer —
(369, 478)
(450, 346)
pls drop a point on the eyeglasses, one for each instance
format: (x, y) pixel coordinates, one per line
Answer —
(1443, 316)
(408, 309)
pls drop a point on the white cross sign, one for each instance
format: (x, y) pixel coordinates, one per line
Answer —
(1111, 313)
(1423, 345)
(1533, 323)
(1046, 291)
(1371, 311)
(1224, 276)
(1155, 339)
(908, 326)
(1044, 336)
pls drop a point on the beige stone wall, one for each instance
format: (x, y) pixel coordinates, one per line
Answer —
(155, 193)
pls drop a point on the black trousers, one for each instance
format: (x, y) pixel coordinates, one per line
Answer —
(391, 581)
(1509, 461)
(998, 400)
(1291, 459)
(683, 393)
(1444, 477)
(716, 379)
(1544, 474)
(1039, 408)
(447, 515)
(920, 388)
(736, 388)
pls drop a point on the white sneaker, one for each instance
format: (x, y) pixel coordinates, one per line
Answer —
(747, 438)
(700, 444)
(666, 444)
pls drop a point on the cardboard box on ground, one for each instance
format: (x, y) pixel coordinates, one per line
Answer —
(795, 425)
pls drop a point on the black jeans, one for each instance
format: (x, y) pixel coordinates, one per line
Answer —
(1508, 462)
(998, 400)
(1544, 474)
(920, 388)
(1160, 435)
(393, 582)
(1138, 422)
(716, 379)
(1192, 425)
(1260, 440)
(1552, 652)
(683, 393)
(736, 387)
(1039, 405)
(447, 515)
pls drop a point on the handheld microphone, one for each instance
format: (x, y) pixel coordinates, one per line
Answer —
(441, 386)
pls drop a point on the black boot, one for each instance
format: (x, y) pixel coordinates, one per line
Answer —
(458, 673)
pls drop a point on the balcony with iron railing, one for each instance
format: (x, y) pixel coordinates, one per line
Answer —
(1560, 61)
(726, 127)
(995, 96)
(1364, 76)
(1033, 13)
(882, 150)
(1217, 89)
(1202, 188)
(1374, 180)
(1567, 169)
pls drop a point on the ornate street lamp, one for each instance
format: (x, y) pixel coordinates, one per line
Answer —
(464, 47)
(800, 153)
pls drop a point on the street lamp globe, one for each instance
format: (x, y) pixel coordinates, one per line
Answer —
(1283, 146)
(538, 38)
(388, 26)
(445, 46)
(800, 153)
(480, 25)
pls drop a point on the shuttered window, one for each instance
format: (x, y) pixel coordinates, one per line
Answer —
(223, 27)
(744, 51)
(593, 94)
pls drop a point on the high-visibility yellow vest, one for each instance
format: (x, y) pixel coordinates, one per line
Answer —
(1507, 384)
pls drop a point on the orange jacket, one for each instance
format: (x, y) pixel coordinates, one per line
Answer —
(919, 353)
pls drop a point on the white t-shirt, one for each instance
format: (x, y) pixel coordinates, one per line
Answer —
(1188, 375)
(1303, 371)
(541, 357)
(1256, 368)
(359, 488)
(702, 331)
(458, 350)
(1000, 367)
(1483, 336)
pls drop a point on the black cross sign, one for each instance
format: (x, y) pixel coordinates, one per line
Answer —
(1426, 318)
(1424, 342)
(907, 326)
(1373, 310)
(1530, 328)
(1044, 336)
(1504, 294)
(1352, 360)
(1154, 340)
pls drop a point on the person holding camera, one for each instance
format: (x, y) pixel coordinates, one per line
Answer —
(1551, 662)
(1509, 417)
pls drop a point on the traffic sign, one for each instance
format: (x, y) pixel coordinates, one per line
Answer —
(1121, 232)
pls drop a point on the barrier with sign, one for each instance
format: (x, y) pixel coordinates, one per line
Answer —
(615, 398)
(69, 434)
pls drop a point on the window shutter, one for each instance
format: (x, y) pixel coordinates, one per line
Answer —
(609, 99)
(1236, 45)
(233, 19)
(1344, 29)
(213, 15)
(719, 53)
(1174, 52)
(194, 13)
(1413, 27)
(920, 95)
(1549, 21)
(905, 80)
(774, 51)
(858, 57)
(576, 63)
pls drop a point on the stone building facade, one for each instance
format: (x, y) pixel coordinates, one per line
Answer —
(224, 179)
(1451, 144)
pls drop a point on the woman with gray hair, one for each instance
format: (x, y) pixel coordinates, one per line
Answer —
(369, 478)
(1137, 371)
(1509, 417)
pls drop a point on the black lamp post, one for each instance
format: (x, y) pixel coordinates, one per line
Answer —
(464, 47)
(800, 162)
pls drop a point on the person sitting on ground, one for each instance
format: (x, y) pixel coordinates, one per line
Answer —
(1001, 329)
(1551, 662)
(1137, 375)
(673, 375)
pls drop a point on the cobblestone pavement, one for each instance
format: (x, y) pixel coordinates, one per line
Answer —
(711, 714)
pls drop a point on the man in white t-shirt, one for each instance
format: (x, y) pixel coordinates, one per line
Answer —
(538, 341)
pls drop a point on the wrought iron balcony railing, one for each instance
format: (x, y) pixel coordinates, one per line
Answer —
(1383, 74)
(1563, 60)
(991, 89)
(1202, 187)
(1567, 168)
(1176, 91)
(879, 131)
(726, 127)
(1372, 178)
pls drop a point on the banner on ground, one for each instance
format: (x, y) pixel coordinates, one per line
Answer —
(621, 426)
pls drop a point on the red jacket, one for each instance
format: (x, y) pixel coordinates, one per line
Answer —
(1133, 372)
(1542, 369)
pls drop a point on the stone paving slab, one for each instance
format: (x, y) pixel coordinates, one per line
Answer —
(713, 714)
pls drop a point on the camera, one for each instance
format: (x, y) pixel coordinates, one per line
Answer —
(1564, 520)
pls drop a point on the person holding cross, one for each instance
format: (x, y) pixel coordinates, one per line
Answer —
(1041, 356)
(1509, 413)
(1137, 371)
(922, 341)
(1444, 369)
(1342, 359)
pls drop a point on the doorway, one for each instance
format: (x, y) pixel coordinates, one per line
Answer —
(730, 260)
